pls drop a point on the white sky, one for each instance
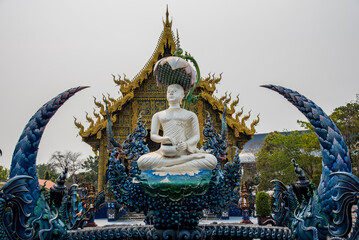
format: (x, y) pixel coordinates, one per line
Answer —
(48, 46)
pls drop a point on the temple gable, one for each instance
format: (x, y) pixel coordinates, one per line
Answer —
(142, 95)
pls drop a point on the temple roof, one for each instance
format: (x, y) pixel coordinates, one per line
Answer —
(206, 87)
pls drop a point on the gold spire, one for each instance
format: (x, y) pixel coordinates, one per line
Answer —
(207, 86)
(167, 23)
(178, 45)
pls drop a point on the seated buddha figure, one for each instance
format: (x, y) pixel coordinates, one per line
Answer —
(178, 154)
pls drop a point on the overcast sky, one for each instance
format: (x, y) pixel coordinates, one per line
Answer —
(48, 46)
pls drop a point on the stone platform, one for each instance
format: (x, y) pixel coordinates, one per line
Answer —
(205, 231)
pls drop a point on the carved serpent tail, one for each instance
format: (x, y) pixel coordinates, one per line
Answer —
(29, 199)
(335, 152)
(24, 157)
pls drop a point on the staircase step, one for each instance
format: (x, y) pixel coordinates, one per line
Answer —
(132, 216)
(210, 216)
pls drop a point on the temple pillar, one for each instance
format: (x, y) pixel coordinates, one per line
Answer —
(103, 157)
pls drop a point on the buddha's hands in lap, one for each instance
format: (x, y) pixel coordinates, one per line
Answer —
(169, 140)
(181, 146)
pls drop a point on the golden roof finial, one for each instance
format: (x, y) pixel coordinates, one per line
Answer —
(168, 23)
(167, 14)
(178, 45)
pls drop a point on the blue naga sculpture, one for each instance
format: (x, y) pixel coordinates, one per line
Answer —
(25, 213)
(215, 143)
(317, 213)
(309, 213)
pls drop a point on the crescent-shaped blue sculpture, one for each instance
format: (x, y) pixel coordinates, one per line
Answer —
(31, 216)
(316, 219)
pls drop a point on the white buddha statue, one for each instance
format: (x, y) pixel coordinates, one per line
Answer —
(178, 154)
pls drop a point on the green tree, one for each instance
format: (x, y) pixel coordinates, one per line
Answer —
(277, 151)
(263, 204)
(4, 173)
(42, 168)
(86, 177)
(70, 160)
(90, 165)
(347, 120)
(47, 175)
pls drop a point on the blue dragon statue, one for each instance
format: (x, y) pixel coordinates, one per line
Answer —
(324, 211)
(25, 213)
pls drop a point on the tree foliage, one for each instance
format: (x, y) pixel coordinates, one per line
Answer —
(47, 175)
(46, 168)
(90, 165)
(263, 204)
(347, 120)
(70, 160)
(4, 173)
(274, 158)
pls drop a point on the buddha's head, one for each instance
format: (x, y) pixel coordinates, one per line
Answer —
(175, 93)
